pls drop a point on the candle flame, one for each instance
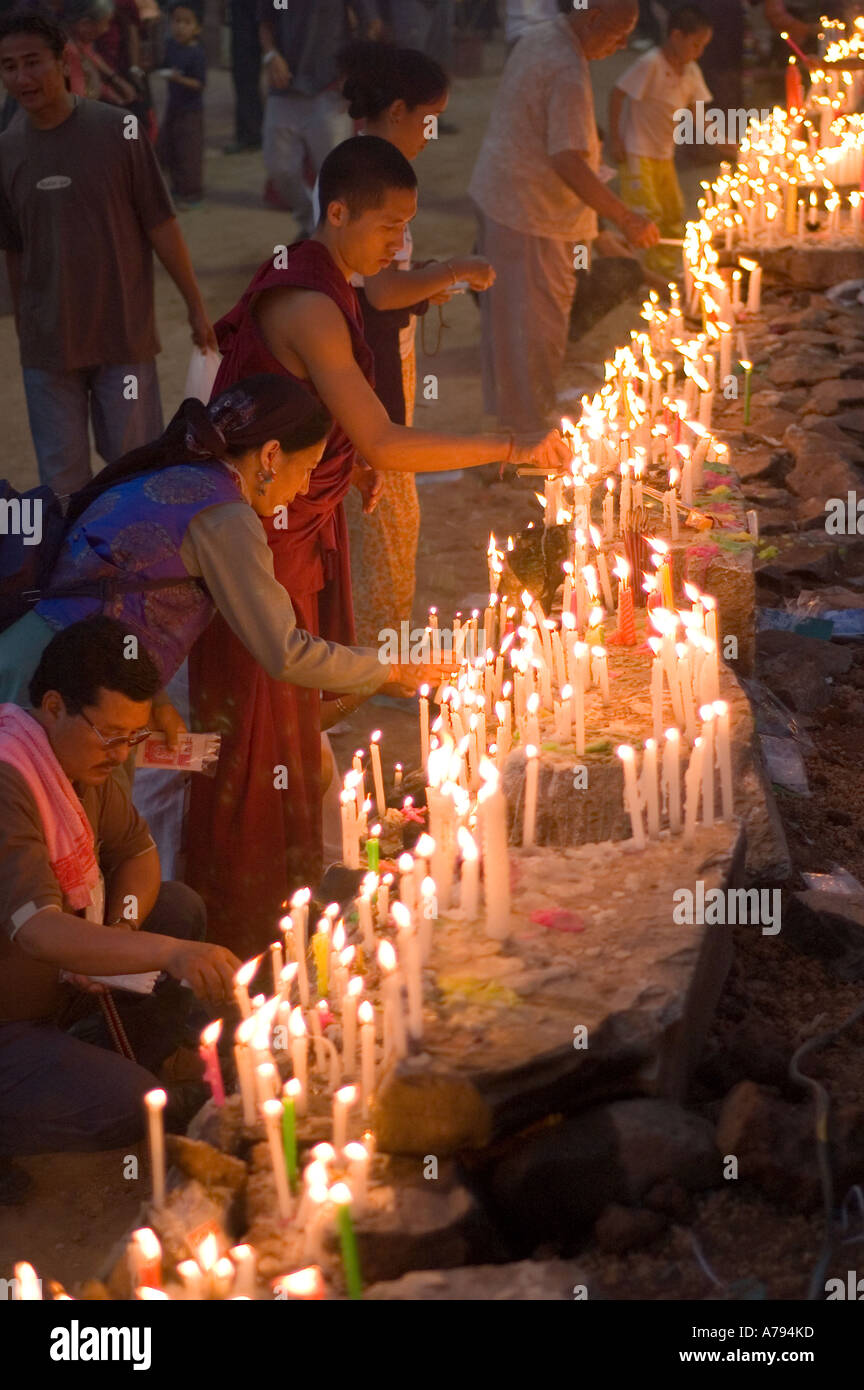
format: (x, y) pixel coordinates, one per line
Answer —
(297, 1023)
(244, 975)
(366, 1013)
(211, 1034)
(386, 956)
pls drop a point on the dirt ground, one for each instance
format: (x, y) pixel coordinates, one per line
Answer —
(80, 1204)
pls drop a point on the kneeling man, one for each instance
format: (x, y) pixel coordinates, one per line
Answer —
(81, 896)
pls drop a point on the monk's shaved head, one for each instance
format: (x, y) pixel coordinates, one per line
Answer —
(603, 26)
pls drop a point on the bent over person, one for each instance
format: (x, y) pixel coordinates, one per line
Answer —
(81, 896)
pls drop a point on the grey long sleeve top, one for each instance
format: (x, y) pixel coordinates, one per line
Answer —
(226, 546)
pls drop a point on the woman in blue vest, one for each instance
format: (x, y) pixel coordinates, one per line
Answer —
(172, 532)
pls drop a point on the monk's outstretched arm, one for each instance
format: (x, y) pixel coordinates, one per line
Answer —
(311, 327)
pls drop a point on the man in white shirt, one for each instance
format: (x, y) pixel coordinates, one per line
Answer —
(642, 115)
(537, 194)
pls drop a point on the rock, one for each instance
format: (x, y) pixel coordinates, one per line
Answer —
(802, 368)
(774, 1143)
(793, 400)
(764, 462)
(619, 1229)
(814, 268)
(831, 395)
(749, 1051)
(823, 468)
(558, 1180)
(670, 1198)
(525, 1280)
(210, 1166)
(829, 926)
(411, 1222)
(807, 338)
(798, 668)
(851, 422)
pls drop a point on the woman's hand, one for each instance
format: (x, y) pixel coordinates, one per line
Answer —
(165, 719)
(406, 678)
(551, 452)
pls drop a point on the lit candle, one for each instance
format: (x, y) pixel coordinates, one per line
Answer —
(342, 1103)
(424, 725)
(299, 920)
(340, 1196)
(144, 1257)
(291, 1094)
(212, 1071)
(366, 1017)
(364, 915)
(245, 1069)
(492, 818)
(410, 954)
(609, 510)
(377, 776)
(631, 794)
(243, 1259)
(266, 1081)
(650, 788)
(373, 848)
(395, 1038)
(724, 758)
(155, 1102)
(350, 1000)
(706, 714)
(748, 371)
(358, 1157)
(242, 980)
(600, 670)
(303, 1285)
(384, 899)
(299, 1059)
(272, 1112)
(321, 954)
(672, 778)
(192, 1278)
(469, 884)
(529, 819)
(407, 888)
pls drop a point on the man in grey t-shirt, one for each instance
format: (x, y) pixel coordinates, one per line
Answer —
(83, 207)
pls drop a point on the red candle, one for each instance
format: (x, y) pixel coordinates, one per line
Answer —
(210, 1057)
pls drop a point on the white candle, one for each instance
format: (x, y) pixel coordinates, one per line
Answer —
(266, 1082)
(469, 883)
(366, 1017)
(384, 899)
(144, 1257)
(529, 819)
(672, 778)
(609, 510)
(656, 690)
(358, 1157)
(395, 1038)
(631, 794)
(706, 714)
(193, 1278)
(407, 889)
(155, 1102)
(601, 672)
(364, 915)
(350, 1001)
(342, 1103)
(244, 1260)
(424, 725)
(724, 758)
(651, 788)
(299, 1039)
(411, 957)
(377, 776)
(692, 789)
(492, 819)
(245, 1070)
(685, 681)
(272, 1112)
(299, 920)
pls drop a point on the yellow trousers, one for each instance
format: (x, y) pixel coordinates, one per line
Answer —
(650, 186)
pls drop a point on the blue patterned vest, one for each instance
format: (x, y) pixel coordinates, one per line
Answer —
(135, 530)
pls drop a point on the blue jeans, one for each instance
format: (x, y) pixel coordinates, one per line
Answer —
(70, 1090)
(61, 406)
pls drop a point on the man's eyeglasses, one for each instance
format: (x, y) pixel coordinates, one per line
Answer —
(132, 740)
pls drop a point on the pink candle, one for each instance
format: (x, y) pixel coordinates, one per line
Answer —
(210, 1057)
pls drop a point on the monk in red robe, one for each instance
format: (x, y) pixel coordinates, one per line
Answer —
(259, 820)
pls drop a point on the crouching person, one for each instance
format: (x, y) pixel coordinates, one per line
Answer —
(81, 896)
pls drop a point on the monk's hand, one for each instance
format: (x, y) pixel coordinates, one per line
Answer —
(165, 719)
(278, 73)
(203, 332)
(640, 231)
(370, 485)
(479, 273)
(207, 968)
(551, 452)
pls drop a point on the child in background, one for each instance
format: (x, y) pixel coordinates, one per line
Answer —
(642, 125)
(181, 139)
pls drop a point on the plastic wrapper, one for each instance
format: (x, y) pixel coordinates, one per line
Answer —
(193, 753)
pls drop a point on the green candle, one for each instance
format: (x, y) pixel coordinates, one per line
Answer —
(748, 369)
(373, 849)
(340, 1195)
(289, 1130)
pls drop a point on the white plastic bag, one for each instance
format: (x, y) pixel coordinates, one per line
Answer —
(201, 375)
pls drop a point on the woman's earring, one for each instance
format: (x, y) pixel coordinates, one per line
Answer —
(264, 481)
